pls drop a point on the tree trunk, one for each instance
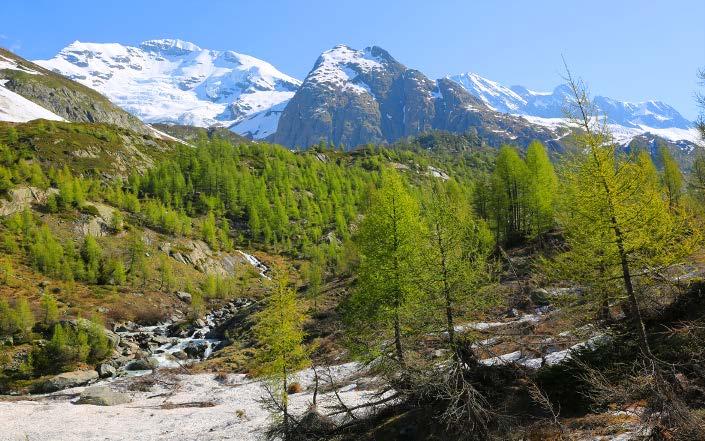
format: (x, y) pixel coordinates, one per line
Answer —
(285, 407)
(446, 290)
(397, 338)
(634, 303)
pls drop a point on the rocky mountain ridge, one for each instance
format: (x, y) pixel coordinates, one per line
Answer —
(354, 97)
(350, 97)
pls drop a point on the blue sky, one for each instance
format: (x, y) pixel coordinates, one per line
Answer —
(630, 50)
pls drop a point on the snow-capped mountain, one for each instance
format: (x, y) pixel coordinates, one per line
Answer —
(354, 97)
(547, 108)
(176, 81)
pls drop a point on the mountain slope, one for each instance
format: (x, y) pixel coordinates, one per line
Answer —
(355, 97)
(28, 91)
(178, 82)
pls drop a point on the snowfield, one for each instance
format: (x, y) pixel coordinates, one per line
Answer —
(171, 410)
(178, 82)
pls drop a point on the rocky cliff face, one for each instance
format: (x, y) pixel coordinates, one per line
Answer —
(62, 97)
(354, 97)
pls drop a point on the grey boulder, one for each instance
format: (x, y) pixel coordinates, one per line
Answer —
(67, 380)
(184, 296)
(102, 396)
(144, 364)
(106, 371)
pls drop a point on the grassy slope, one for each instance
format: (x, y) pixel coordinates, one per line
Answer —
(97, 148)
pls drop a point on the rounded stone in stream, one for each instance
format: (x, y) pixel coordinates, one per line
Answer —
(144, 364)
(180, 355)
(106, 371)
(196, 349)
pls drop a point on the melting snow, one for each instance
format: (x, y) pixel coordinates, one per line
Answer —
(16, 108)
(235, 414)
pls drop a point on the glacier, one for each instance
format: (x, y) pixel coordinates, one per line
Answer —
(175, 81)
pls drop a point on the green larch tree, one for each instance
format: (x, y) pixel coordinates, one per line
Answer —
(456, 258)
(49, 308)
(280, 334)
(672, 177)
(615, 216)
(389, 242)
(508, 200)
(542, 185)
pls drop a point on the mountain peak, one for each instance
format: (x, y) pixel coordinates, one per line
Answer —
(493, 94)
(343, 67)
(170, 46)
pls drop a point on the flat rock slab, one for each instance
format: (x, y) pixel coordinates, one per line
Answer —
(103, 396)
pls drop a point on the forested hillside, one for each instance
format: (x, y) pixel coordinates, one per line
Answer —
(507, 290)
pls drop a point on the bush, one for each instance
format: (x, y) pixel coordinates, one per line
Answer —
(90, 209)
(69, 345)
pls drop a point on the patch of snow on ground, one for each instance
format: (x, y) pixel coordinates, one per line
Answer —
(16, 108)
(7, 63)
(236, 414)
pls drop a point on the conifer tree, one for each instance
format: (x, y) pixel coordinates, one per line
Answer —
(7, 273)
(509, 195)
(458, 246)
(616, 220)
(208, 231)
(279, 331)
(314, 276)
(542, 186)
(50, 309)
(388, 288)
(166, 274)
(24, 317)
(45, 252)
(8, 321)
(91, 254)
(672, 177)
